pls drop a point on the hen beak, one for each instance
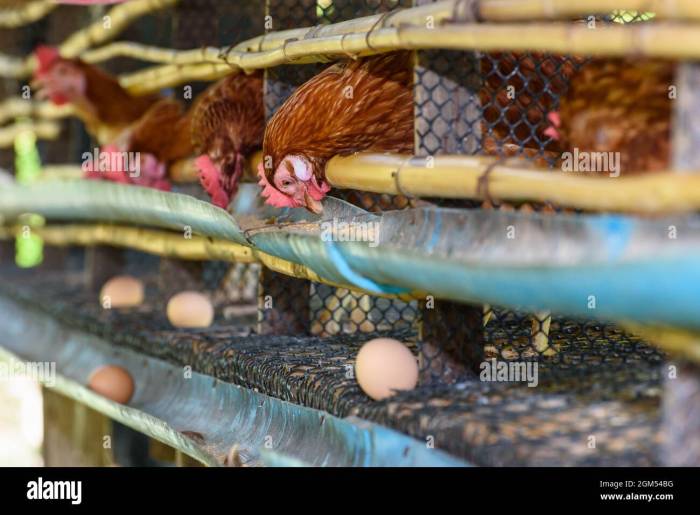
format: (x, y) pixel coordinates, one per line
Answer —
(312, 204)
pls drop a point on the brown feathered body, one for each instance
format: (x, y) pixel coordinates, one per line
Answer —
(107, 108)
(163, 131)
(353, 106)
(228, 120)
(620, 105)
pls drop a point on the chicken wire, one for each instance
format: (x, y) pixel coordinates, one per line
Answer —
(462, 108)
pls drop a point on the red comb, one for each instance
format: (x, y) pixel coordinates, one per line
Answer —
(46, 56)
(273, 196)
(210, 179)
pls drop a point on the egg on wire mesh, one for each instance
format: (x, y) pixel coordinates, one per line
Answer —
(122, 291)
(190, 309)
(384, 366)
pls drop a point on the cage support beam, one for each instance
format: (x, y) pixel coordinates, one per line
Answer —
(681, 399)
(659, 41)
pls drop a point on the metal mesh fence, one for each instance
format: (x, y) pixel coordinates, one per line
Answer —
(497, 104)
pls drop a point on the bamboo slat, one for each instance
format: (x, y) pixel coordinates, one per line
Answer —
(11, 18)
(147, 240)
(457, 177)
(16, 107)
(119, 17)
(42, 129)
(657, 40)
(170, 244)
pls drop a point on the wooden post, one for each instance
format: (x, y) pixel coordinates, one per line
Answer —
(177, 275)
(448, 121)
(681, 401)
(283, 304)
(74, 435)
(101, 264)
(680, 427)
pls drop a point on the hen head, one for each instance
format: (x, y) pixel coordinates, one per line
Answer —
(294, 184)
(58, 79)
(220, 169)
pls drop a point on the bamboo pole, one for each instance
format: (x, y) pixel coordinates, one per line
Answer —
(524, 10)
(423, 22)
(170, 244)
(651, 40)
(514, 180)
(16, 107)
(45, 129)
(458, 176)
(152, 54)
(108, 27)
(435, 14)
(678, 342)
(119, 16)
(30, 12)
(14, 67)
(147, 240)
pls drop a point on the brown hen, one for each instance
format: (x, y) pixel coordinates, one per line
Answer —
(619, 105)
(353, 106)
(228, 122)
(100, 102)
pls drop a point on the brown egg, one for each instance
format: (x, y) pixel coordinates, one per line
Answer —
(113, 382)
(122, 291)
(190, 309)
(384, 365)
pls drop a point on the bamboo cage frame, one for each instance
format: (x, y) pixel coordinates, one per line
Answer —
(678, 342)
(511, 180)
(456, 176)
(659, 40)
(490, 10)
(400, 29)
(42, 129)
(120, 16)
(174, 245)
(11, 18)
(15, 67)
(16, 107)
